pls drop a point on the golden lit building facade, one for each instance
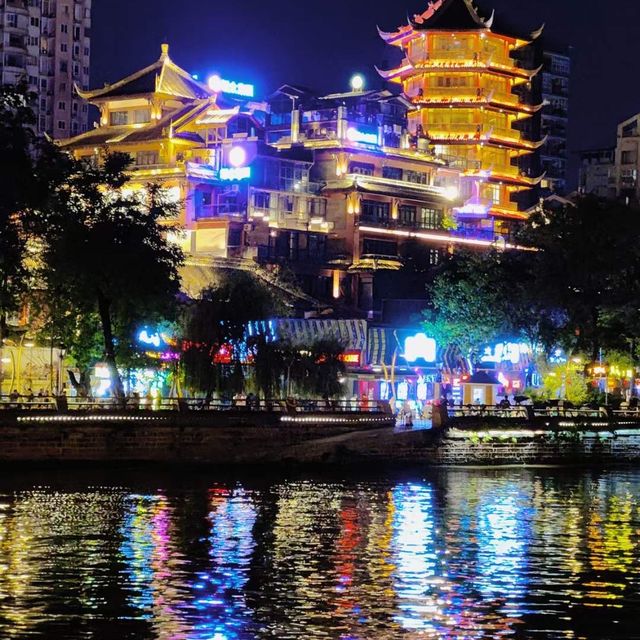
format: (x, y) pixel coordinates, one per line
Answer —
(460, 73)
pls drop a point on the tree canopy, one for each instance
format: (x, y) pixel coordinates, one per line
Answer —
(106, 258)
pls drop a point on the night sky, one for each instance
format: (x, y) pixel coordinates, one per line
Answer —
(320, 45)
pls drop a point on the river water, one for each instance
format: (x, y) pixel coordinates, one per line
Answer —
(451, 554)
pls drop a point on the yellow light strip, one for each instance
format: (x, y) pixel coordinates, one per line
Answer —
(441, 238)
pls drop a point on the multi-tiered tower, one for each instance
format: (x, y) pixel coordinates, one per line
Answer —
(461, 73)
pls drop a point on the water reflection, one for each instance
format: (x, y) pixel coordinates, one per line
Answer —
(461, 555)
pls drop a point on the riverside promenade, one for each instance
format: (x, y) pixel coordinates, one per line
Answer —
(318, 432)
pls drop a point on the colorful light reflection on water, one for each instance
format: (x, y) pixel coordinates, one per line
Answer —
(460, 555)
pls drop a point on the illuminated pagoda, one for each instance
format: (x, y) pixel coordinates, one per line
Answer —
(461, 74)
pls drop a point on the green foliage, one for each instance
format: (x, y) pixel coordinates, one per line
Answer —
(465, 299)
(284, 368)
(106, 261)
(218, 319)
(19, 189)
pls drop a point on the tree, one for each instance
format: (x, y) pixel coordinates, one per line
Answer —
(17, 195)
(213, 330)
(466, 302)
(106, 258)
(588, 265)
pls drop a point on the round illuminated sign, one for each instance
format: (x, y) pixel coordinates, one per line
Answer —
(357, 82)
(215, 84)
(237, 157)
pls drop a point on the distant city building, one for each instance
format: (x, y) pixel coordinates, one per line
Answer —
(554, 120)
(462, 72)
(597, 172)
(46, 44)
(627, 159)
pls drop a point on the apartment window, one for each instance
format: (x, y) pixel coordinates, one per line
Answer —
(119, 117)
(43, 124)
(43, 103)
(76, 33)
(12, 20)
(86, 51)
(85, 70)
(629, 157)
(62, 106)
(392, 173)
(62, 124)
(76, 49)
(146, 158)
(74, 127)
(43, 83)
(373, 210)
(361, 168)
(430, 218)
(64, 66)
(35, 22)
(63, 47)
(64, 28)
(34, 41)
(33, 81)
(75, 107)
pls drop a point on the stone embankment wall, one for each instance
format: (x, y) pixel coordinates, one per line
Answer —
(524, 447)
(148, 437)
(245, 438)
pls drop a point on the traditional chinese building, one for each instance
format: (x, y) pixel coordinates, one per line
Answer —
(462, 77)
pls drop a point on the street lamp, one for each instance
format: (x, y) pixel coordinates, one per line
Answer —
(357, 82)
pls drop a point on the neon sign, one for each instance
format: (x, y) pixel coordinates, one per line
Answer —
(505, 352)
(220, 85)
(152, 339)
(235, 173)
(351, 357)
(420, 347)
(355, 135)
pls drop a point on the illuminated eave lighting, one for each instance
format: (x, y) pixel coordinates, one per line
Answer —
(420, 235)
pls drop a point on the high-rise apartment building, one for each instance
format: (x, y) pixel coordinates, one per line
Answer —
(46, 45)
(627, 159)
(555, 119)
(597, 172)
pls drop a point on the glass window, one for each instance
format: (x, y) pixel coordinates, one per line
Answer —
(379, 247)
(408, 214)
(373, 210)
(361, 168)
(140, 116)
(430, 218)
(119, 117)
(392, 173)
(146, 158)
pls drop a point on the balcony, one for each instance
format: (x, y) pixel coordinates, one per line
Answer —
(447, 59)
(390, 184)
(273, 254)
(231, 211)
(284, 219)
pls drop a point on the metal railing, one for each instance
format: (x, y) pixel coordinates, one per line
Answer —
(106, 405)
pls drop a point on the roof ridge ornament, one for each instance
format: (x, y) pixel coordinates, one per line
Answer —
(164, 51)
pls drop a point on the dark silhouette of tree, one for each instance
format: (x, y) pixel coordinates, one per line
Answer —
(213, 330)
